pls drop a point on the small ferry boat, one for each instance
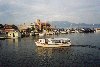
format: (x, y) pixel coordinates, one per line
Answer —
(53, 42)
(97, 29)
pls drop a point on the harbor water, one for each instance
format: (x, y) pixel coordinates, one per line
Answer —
(84, 52)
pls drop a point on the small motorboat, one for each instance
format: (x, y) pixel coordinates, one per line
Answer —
(41, 34)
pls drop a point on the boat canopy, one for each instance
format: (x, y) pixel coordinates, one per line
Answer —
(58, 39)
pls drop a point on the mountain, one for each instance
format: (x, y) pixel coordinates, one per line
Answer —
(60, 24)
(67, 24)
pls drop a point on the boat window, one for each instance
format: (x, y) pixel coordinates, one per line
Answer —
(56, 41)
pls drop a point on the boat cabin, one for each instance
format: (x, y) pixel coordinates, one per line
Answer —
(54, 41)
(42, 40)
(58, 40)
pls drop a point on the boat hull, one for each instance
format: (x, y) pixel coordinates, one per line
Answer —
(52, 45)
(2, 38)
(41, 34)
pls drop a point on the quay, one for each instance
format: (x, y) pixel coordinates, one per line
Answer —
(38, 28)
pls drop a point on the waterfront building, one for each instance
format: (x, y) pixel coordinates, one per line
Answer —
(8, 28)
(40, 26)
(24, 26)
(14, 34)
(12, 31)
(26, 29)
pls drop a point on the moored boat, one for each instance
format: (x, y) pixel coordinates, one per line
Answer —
(41, 34)
(2, 38)
(53, 42)
(63, 32)
(49, 33)
(97, 29)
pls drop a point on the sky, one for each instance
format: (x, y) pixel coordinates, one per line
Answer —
(27, 11)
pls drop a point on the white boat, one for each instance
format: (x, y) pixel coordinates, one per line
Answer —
(36, 33)
(3, 36)
(53, 42)
(41, 34)
(73, 31)
(49, 33)
(97, 29)
(63, 32)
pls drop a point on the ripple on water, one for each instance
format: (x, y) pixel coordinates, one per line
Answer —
(84, 52)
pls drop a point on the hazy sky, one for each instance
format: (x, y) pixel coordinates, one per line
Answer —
(76, 11)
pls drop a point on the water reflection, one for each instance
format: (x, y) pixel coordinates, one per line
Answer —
(42, 51)
(46, 56)
(14, 42)
(24, 53)
(35, 38)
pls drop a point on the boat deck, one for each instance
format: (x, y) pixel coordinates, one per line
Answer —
(52, 45)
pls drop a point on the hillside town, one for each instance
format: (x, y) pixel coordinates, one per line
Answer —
(38, 28)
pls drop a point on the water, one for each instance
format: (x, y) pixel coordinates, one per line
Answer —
(84, 52)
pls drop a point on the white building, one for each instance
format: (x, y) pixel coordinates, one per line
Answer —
(25, 26)
(14, 34)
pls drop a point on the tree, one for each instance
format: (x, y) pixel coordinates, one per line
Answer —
(1, 26)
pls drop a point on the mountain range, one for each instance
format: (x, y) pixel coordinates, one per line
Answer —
(67, 24)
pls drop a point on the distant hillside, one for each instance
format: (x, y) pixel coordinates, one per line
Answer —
(61, 24)
(66, 24)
